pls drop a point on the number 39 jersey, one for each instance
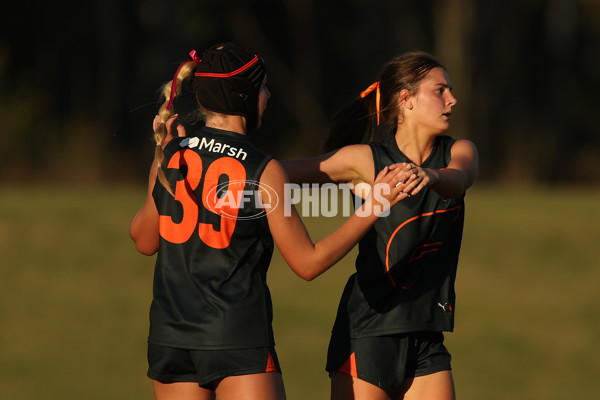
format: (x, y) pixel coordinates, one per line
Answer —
(215, 247)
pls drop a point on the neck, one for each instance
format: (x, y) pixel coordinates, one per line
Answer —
(415, 144)
(227, 122)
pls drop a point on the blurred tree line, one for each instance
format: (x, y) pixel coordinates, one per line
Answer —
(79, 80)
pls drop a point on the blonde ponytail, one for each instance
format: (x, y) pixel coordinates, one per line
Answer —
(171, 88)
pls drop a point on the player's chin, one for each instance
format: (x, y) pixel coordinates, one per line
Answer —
(440, 130)
(444, 125)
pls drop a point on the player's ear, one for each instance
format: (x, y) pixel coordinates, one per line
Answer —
(405, 99)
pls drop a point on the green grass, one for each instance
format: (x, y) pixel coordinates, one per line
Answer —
(74, 298)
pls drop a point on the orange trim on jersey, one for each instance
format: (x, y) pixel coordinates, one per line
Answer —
(419, 251)
(271, 367)
(402, 225)
(349, 367)
(406, 287)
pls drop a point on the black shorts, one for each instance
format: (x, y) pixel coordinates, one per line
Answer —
(386, 361)
(206, 367)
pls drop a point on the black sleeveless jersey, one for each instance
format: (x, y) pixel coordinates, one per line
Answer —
(210, 289)
(406, 266)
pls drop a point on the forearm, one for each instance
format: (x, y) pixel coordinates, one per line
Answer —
(454, 180)
(144, 230)
(331, 249)
(328, 251)
(449, 182)
(309, 260)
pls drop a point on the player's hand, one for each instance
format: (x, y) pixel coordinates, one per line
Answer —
(172, 121)
(387, 190)
(415, 177)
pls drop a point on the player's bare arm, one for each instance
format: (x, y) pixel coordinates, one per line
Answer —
(144, 226)
(307, 259)
(451, 181)
(351, 164)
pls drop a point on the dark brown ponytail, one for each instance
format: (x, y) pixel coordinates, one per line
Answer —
(352, 124)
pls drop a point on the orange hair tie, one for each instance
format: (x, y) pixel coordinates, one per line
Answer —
(365, 93)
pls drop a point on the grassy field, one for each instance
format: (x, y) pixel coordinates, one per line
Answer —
(74, 298)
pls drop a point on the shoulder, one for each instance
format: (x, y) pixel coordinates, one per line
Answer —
(273, 174)
(464, 146)
(451, 147)
(449, 141)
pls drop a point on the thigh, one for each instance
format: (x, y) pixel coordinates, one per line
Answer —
(264, 386)
(436, 386)
(347, 387)
(181, 391)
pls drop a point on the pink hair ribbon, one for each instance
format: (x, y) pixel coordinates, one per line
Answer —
(195, 58)
(365, 93)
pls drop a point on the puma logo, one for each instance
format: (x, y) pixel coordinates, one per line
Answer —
(443, 306)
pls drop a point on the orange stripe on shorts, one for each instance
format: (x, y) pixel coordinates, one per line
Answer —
(271, 367)
(349, 367)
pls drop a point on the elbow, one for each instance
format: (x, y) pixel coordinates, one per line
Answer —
(308, 277)
(453, 188)
(460, 189)
(450, 193)
(143, 246)
(146, 250)
(307, 274)
(307, 266)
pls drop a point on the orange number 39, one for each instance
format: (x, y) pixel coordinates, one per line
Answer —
(181, 232)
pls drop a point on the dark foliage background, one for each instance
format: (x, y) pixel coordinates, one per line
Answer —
(79, 80)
